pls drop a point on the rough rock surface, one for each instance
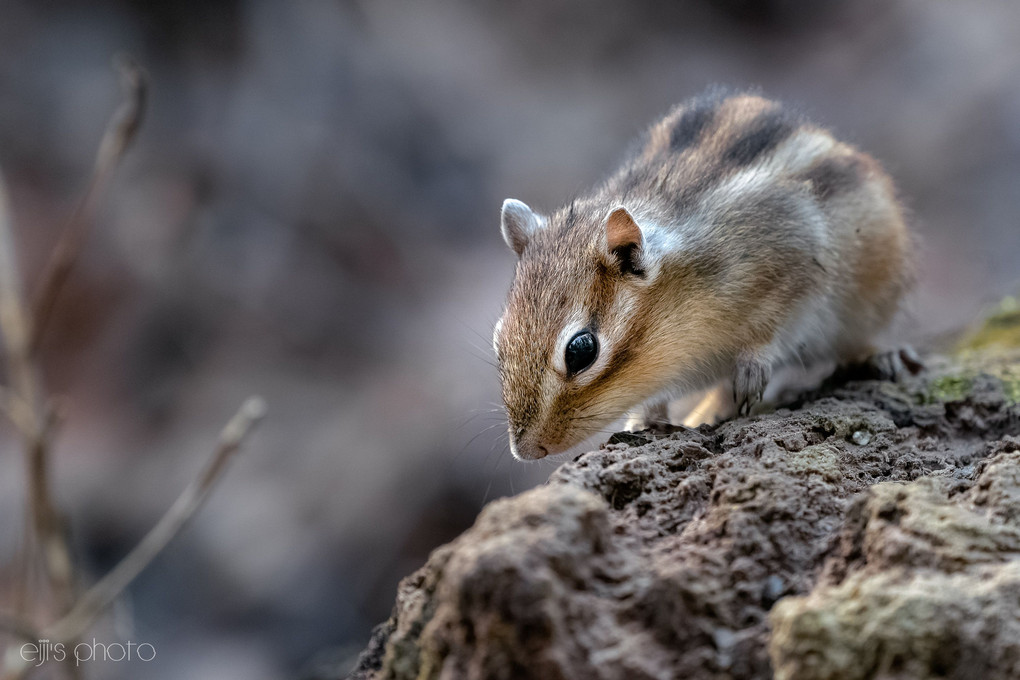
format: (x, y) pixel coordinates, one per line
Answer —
(872, 531)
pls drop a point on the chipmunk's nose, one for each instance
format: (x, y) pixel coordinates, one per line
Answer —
(526, 450)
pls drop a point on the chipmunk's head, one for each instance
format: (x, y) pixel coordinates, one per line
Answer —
(576, 345)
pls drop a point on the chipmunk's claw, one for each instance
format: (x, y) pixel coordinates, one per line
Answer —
(749, 380)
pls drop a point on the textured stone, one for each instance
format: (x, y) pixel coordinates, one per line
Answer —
(870, 531)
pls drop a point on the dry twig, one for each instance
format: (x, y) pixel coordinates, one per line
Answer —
(100, 596)
(106, 590)
(28, 409)
(25, 402)
(120, 132)
(26, 405)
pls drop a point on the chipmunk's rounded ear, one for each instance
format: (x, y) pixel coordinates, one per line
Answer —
(624, 240)
(517, 223)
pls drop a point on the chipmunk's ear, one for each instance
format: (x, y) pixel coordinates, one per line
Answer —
(625, 240)
(518, 223)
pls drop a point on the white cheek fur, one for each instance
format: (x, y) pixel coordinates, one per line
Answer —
(495, 335)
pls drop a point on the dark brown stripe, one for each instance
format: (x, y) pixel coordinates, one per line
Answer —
(623, 356)
(762, 135)
(618, 360)
(602, 293)
(694, 121)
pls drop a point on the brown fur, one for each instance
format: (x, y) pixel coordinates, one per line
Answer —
(765, 241)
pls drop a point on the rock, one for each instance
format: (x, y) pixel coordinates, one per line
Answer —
(873, 531)
(925, 583)
(927, 624)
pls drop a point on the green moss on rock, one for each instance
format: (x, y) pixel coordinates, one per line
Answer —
(969, 371)
(1000, 329)
(949, 388)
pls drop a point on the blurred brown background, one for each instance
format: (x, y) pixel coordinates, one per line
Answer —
(311, 214)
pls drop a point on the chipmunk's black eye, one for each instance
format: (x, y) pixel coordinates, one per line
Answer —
(581, 352)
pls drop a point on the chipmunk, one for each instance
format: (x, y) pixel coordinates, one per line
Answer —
(737, 240)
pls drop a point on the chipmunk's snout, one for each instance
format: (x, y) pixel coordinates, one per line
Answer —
(523, 450)
(525, 446)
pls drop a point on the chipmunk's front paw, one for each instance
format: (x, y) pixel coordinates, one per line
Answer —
(749, 380)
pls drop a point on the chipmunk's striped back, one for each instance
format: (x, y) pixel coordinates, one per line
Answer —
(703, 142)
(737, 238)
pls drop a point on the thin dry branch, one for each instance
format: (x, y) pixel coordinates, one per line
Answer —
(25, 402)
(120, 132)
(16, 411)
(28, 409)
(108, 589)
(101, 595)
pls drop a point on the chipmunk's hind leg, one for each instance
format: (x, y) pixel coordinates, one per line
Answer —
(889, 365)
